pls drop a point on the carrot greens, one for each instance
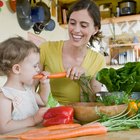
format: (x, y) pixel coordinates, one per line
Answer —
(122, 121)
(87, 92)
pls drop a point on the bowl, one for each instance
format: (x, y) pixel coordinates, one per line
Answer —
(103, 95)
(135, 95)
(85, 112)
(111, 98)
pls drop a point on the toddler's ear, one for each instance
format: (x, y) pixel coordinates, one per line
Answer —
(16, 68)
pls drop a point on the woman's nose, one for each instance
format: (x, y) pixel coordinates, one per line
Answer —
(77, 28)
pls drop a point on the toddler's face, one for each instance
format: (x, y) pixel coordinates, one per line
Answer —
(29, 67)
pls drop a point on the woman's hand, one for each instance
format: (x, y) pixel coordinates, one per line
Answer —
(75, 72)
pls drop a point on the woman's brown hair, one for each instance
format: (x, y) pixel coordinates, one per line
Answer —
(94, 13)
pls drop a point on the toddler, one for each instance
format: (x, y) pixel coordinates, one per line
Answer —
(20, 106)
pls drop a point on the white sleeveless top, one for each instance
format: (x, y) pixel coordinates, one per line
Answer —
(24, 103)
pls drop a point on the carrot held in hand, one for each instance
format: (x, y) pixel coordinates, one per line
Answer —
(55, 75)
(38, 76)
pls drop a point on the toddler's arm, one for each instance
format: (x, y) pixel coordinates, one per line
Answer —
(44, 90)
(6, 122)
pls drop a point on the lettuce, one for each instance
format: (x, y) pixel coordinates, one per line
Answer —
(52, 102)
(125, 79)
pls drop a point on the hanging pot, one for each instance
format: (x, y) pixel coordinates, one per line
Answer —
(23, 10)
(12, 4)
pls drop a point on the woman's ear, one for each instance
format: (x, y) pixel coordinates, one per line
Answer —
(16, 68)
(96, 30)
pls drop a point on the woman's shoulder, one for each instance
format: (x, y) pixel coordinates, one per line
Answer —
(51, 44)
(93, 52)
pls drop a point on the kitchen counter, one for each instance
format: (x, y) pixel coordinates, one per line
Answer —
(133, 134)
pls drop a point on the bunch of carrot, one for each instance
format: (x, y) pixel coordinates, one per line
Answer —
(68, 132)
(62, 131)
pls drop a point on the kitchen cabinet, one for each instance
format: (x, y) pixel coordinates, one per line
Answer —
(59, 10)
(121, 19)
(60, 7)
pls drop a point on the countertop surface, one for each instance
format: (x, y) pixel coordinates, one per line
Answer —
(133, 134)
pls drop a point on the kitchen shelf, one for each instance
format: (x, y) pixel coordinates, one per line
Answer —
(123, 45)
(123, 53)
(121, 19)
(66, 1)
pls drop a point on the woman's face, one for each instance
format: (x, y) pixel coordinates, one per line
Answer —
(81, 28)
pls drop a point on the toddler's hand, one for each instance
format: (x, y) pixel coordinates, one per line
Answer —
(44, 79)
(38, 117)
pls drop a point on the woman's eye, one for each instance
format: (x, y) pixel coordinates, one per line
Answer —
(83, 26)
(72, 23)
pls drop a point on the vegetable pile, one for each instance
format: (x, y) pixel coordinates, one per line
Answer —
(126, 120)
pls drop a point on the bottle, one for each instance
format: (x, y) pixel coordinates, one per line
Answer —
(117, 11)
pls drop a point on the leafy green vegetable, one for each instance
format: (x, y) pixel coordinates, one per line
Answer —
(52, 102)
(125, 79)
(114, 98)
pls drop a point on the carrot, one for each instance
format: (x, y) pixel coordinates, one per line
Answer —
(38, 76)
(63, 126)
(45, 130)
(84, 131)
(9, 136)
(55, 75)
(53, 127)
(60, 131)
(79, 131)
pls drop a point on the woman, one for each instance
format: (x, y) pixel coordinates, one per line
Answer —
(74, 55)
